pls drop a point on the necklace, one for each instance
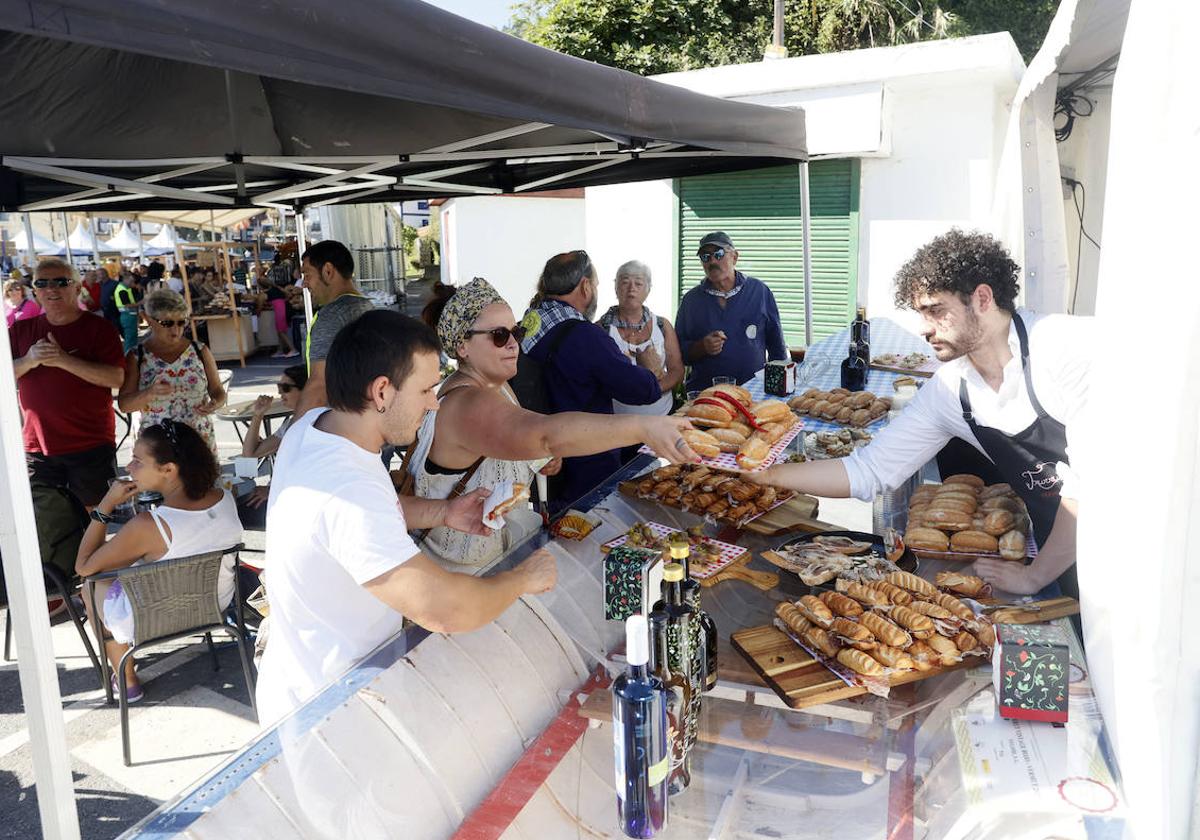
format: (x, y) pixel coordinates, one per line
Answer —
(638, 327)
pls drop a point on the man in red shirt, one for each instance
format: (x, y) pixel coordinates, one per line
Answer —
(67, 363)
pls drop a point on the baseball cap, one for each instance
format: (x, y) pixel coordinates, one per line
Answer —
(719, 238)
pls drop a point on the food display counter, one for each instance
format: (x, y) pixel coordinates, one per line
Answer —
(505, 732)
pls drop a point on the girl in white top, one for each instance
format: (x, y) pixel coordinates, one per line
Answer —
(479, 418)
(170, 458)
(647, 340)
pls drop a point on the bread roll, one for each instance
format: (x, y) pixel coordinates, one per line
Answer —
(707, 415)
(860, 662)
(752, 453)
(912, 620)
(845, 392)
(819, 408)
(702, 443)
(844, 414)
(1007, 503)
(878, 408)
(956, 607)
(793, 618)
(860, 400)
(1012, 546)
(965, 641)
(974, 541)
(968, 585)
(739, 427)
(993, 490)
(984, 632)
(946, 649)
(894, 593)
(954, 502)
(930, 609)
(851, 630)
(814, 609)
(892, 657)
(863, 594)
(770, 410)
(929, 539)
(925, 491)
(728, 439)
(822, 641)
(885, 630)
(841, 604)
(838, 395)
(947, 520)
(965, 478)
(909, 581)
(998, 522)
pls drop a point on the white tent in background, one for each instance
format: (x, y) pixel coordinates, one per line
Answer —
(83, 242)
(40, 243)
(126, 241)
(163, 241)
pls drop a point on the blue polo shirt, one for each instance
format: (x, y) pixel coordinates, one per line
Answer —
(750, 321)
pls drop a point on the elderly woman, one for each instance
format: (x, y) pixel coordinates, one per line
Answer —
(17, 307)
(168, 376)
(481, 437)
(647, 340)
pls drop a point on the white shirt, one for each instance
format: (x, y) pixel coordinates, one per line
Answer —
(1060, 358)
(333, 524)
(659, 342)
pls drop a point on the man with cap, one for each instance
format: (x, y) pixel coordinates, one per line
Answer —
(728, 325)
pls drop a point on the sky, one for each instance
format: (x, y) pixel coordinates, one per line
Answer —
(490, 12)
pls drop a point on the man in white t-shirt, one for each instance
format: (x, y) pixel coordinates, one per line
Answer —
(342, 570)
(1013, 386)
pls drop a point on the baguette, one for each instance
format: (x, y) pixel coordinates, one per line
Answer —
(852, 630)
(752, 453)
(885, 630)
(769, 411)
(728, 439)
(984, 632)
(793, 618)
(923, 656)
(974, 541)
(956, 607)
(863, 594)
(931, 610)
(736, 391)
(963, 584)
(860, 662)
(912, 620)
(892, 657)
(965, 641)
(894, 593)
(909, 581)
(947, 650)
(814, 609)
(705, 414)
(822, 641)
(841, 604)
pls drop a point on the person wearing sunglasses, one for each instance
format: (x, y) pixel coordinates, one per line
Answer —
(195, 517)
(169, 376)
(728, 324)
(251, 507)
(458, 451)
(16, 305)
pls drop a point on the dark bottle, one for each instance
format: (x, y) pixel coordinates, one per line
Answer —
(641, 750)
(860, 334)
(675, 629)
(681, 551)
(854, 370)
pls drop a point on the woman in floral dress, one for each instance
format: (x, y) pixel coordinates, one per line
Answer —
(170, 376)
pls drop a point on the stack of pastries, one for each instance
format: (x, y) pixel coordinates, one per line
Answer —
(899, 623)
(965, 516)
(733, 422)
(851, 408)
(714, 493)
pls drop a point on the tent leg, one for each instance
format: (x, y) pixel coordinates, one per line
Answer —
(806, 241)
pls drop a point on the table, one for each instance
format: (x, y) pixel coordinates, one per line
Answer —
(240, 414)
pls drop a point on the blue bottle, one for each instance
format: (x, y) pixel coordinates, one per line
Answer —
(641, 755)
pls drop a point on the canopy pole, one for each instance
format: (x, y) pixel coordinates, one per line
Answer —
(141, 241)
(29, 249)
(301, 247)
(31, 622)
(806, 242)
(389, 242)
(67, 238)
(95, 242)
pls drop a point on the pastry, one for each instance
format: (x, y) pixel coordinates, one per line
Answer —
(946, 649)
(923, 656)
(914, 621)
(793, 618)
(892, 657)
(956, 607)
(998, 522)
(894, 593)
(814, 610)
(909, 581)
(697, 477)
(717, 509)
(822, 641)
(863, 594)
(687, 501)
(646, 486)
(841, 604)
(764, 500)
(860, 662)
(662, 488)
(703, 500)
(965, 478)
(851, 630)
(752, 453)
(930, 609)
(965, 641)
(885, 630)
(669, 471)
(844, 414)
(702, 443)
(742, 511)
(947, 520)
(1012, 546)
(717, 482)
(928, 539)
(984, 632)
(968, 585)
(743, 491)
(974, 541)
(993, 490)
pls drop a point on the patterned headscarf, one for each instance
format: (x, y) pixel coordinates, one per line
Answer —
(462, 310)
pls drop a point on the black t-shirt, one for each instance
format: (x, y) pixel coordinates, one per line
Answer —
(275, 293)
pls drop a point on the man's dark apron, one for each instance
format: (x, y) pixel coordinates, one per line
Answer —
(1028, 459)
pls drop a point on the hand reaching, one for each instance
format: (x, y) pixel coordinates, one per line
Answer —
(665, 436)
(539, 572)
(466, 513)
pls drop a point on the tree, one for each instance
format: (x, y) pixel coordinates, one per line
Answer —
(661, 36)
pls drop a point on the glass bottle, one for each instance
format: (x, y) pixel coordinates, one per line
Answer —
(641, 750)
(860, 334)
(678, 702)
(854, 369)
(681, 649)
(681, 551)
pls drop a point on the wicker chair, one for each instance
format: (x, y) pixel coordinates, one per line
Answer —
(171, 599)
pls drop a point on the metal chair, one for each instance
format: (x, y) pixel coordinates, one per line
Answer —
(171, 599)
(56, 576)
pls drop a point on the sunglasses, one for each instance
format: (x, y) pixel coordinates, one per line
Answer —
(182, 322)
(286, 387)
(707, 256)
(57, 282)
(500, 335)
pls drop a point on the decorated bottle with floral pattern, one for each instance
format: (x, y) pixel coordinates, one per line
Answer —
(681, 551)
(679, 698)
(684, 648)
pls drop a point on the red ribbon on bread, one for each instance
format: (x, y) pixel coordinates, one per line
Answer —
(729, 400)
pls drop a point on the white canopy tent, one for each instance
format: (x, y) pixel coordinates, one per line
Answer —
(41, 244)
(84, 241)
(126, 241)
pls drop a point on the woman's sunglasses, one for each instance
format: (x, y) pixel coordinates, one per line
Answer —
(286, 387)
(46, 282)
(500, 335)
(182, 322)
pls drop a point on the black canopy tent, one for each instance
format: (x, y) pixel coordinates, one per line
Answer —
(144, 105)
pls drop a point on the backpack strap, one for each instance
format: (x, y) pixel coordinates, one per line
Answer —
(561, 335)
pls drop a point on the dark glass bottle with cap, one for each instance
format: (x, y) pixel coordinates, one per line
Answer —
(857, 363)
(676, 630)
(681, 551)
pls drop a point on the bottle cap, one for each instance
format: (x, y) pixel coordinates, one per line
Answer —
(672, 573)
(637, 640)
(680, 547)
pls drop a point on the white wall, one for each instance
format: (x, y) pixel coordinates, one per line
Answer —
(634, 222)
(507, 240)
(1085, 153)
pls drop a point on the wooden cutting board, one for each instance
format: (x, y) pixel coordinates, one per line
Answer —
(801, 681)
(766, 581)
(1035, 612)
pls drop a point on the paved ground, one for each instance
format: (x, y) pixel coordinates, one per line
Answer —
(192, 719)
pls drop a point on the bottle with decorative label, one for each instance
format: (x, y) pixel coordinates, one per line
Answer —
(679, 698)
(641, 750)
(683, 641)
(681, 551)
(860, 334)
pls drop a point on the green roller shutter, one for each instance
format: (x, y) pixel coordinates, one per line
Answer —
(760, 211)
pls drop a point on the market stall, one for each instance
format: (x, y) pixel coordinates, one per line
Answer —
(229, 332)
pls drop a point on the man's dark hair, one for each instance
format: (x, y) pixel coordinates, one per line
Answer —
(380, 343)
(331, 252)
(155, 271)
(561, 274)
(173, 442)
(959, 262)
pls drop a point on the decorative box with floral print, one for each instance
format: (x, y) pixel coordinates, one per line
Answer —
(632, 579)
(1032, 665)
(779, 378)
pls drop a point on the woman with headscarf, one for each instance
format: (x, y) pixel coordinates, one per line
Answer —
(481, 437)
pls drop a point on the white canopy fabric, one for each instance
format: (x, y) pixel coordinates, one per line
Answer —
(202, 218)
(40, 243)
(83, 241)
(165, 238)
(126, 241)
(1140, 582)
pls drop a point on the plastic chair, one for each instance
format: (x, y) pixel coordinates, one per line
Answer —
(56, 576)
(171, 599)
